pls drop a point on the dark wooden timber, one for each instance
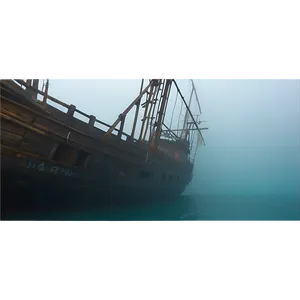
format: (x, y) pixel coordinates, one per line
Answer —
(136, 112)
(162, 112)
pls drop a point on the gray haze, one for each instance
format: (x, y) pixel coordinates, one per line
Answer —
(252, 145)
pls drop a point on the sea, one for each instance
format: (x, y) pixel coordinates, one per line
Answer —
(189, 207)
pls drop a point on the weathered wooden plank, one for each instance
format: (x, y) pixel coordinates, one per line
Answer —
(67, 134)
(10, 139)
(56, 113)
(48, 125)
(7, 150)
(97, 134)
(124, 149)
(22, 99)
(15, 121)
(11, 127)
(80, 125)
(37, 144)
(12, 151)
(9, 135)
(69, 120)
(43, 140)
(13, 110)
(88, 143)
(34, 148)
(16, 94)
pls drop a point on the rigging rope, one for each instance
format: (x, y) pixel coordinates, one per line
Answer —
(173, 110)
(193, 135)
(179, 113)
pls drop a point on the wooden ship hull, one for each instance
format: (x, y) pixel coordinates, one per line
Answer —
(54, 154)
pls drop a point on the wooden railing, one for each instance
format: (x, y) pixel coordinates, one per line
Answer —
(72, 109)
(92, 120)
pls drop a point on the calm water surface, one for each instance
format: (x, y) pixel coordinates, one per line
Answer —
(190, 207)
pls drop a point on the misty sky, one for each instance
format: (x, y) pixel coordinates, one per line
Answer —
(252, 145)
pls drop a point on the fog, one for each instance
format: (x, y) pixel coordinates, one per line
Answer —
(252, 145)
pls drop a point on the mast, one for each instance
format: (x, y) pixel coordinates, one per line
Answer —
(184, 133)
(196, 96)
(161, 112)
(137, 111)
(157, 94)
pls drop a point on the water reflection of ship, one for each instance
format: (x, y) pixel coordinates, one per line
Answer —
(42, 146)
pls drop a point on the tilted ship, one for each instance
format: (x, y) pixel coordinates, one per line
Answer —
(48, 150)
